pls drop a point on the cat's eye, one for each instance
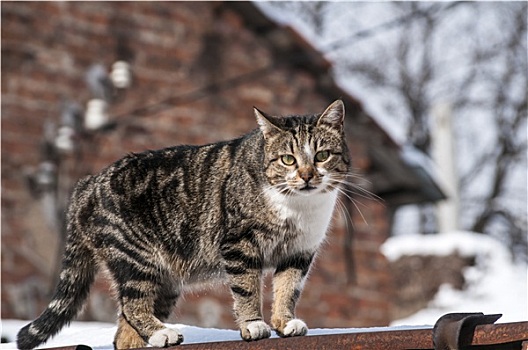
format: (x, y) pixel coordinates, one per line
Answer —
(287, 159)
(322, 156)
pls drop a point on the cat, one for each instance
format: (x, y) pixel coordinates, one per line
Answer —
(163, 221)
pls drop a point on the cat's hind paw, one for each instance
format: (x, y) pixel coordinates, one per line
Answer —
(165, 337)
(255, 330)
(293, 328)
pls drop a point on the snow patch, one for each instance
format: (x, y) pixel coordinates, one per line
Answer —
(494, 285)
(467, 244)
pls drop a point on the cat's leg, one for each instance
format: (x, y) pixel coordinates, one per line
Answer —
(245, 273)
(288, 282)
(247, 306)
(165, 301)
(163, 305)
(126, 336)
(141, 303)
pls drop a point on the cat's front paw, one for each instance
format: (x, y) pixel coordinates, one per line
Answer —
(255, 330)
(165, 337)
(291, 328)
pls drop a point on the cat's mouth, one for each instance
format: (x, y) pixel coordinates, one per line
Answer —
(308, 188)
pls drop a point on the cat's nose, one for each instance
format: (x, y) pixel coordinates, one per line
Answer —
(306, 174)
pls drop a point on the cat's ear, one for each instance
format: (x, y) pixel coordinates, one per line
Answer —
(334, 115)
(264, 121)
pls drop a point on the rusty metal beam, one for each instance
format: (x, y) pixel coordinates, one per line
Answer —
(493, 336)
(72, 347)
(418, 339)
(500, 333)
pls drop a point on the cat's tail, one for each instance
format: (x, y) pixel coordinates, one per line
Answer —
(76, 277)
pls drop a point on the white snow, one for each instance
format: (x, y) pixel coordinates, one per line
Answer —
(100, 335)
(494, 285)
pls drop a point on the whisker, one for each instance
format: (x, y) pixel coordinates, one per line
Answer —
(359, 211)
(353, 201)
(280, 187)
(362, 192)
(348, 193)
(369, 195)
(345, 213)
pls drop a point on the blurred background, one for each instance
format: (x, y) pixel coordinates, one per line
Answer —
(436, 100)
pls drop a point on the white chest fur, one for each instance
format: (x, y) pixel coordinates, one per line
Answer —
(310, 214)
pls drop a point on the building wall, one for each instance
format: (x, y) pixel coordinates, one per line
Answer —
(194, 82)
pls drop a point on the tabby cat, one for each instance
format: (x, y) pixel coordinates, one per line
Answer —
(163, 221)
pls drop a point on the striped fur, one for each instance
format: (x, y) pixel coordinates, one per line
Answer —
(162, 221)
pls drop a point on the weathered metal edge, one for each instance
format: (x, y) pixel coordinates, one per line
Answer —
(420, 339)
(500, 333)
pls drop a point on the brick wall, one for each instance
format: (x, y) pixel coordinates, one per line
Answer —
(175, 49)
